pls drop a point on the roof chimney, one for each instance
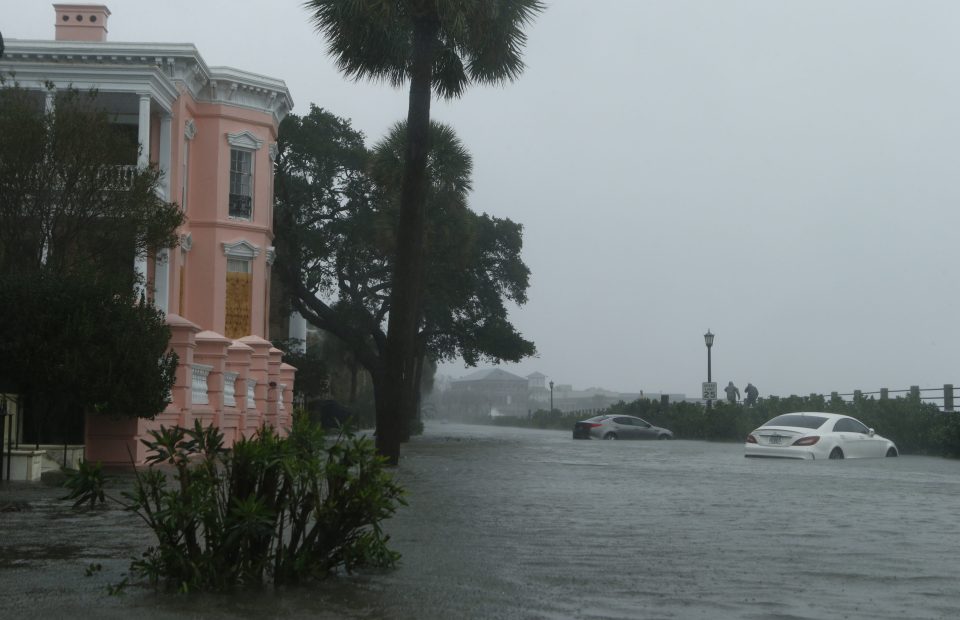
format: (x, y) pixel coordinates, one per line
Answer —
(81, 22)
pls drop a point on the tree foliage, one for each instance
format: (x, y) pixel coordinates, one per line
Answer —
(71, 197)
(75, 345)
(74, 212)
(336, 225)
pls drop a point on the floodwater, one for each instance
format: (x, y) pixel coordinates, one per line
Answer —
(512, 523)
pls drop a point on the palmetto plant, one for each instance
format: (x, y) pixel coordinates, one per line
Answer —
(441, 46)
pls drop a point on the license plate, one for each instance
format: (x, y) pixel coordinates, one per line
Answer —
(774, 439)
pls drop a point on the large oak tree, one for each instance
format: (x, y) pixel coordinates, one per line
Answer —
(336, 230)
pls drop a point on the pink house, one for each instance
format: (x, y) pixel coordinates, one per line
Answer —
(213, 132)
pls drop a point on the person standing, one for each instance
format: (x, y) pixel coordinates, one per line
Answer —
(733, 394)
(752, 392)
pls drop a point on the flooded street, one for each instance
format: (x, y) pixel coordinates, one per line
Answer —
(512, 523)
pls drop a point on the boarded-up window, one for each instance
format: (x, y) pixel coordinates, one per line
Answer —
(239, 298)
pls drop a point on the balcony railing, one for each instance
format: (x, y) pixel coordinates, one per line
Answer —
(241, 206)
(118, 177)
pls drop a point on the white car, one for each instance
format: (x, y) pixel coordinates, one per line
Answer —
(816, 435)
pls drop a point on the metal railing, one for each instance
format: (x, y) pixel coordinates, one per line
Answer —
(943, 397)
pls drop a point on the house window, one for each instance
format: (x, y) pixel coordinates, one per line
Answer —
(241, 184)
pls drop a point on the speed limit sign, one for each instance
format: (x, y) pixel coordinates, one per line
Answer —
(709, 390)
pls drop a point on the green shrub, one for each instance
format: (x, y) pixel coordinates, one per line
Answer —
(271, 509)
(86, 484)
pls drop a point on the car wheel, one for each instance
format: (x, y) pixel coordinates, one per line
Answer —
(892, 452)
(837, 453)
(610, 436)
(664, 437)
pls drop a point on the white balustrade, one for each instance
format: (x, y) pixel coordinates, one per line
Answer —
(198, 392)
(251, 403)
(230, 388)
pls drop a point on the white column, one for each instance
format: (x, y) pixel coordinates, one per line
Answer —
(143, 160)
(298, 331)
(166, 125)
(161, 293)
(143, 134)
(50, 105)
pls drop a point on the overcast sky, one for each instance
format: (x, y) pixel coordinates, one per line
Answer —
(782, 172)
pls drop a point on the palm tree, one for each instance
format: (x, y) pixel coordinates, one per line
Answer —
(439, 45)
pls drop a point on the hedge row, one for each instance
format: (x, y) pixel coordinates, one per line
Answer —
(916, 427)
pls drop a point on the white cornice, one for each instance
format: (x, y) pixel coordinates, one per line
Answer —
(178, 62)
(143, 79)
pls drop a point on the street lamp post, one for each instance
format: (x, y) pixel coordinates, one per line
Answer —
(708, 339)
(551, 397)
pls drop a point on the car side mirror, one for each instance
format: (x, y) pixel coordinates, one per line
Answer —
(871, 432)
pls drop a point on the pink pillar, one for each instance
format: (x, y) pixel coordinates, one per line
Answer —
(259, 371)
(212, 351)
(287, 374)
(115, 442)
(238, 361)
(273, 394)
(183, 342)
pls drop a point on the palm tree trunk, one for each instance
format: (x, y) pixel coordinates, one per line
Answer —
(407, 281)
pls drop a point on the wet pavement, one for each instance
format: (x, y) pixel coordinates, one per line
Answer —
(513, 523)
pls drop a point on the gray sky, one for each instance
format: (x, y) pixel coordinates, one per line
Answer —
(782, 172)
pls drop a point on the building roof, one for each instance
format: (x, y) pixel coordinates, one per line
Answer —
(490, 374)
(536, 375)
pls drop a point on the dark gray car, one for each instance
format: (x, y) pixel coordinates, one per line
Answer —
(618, 427)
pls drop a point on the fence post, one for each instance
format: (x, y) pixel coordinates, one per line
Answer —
(884, 393)
(948, 397)
(915, 392)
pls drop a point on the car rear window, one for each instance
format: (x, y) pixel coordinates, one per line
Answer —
(793, 419)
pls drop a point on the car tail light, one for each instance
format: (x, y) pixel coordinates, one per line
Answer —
(751, 439)
(594, 425)
(807, 441)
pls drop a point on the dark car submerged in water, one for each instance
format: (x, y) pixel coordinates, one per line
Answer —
(618, 427)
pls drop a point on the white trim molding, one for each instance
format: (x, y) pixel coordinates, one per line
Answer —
(245, 140)
(271, 255)
(241, 249)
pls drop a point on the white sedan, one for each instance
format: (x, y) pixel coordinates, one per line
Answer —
(816, 435)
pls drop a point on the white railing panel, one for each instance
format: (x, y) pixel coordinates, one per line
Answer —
(251, 403)
(230, 389)
(198, 390)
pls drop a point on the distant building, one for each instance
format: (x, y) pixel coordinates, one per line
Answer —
(497, 392)
(491, 390)
(538, 392)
